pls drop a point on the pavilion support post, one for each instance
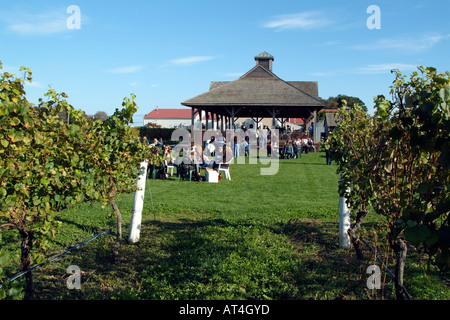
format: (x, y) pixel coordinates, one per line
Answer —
(200, 118)
(257, 120)
(315, 126)
(207, 120)
(192, 119)
(232, 118)
(273, 117)
(221, 122)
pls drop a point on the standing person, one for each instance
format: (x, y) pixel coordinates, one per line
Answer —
(310, 145)
(298, 142)
(236, 147)
(327, 152)
(257, 134)
(327, 156)
(289, 132)
(311, 130)
(246, 148)
(263, 137)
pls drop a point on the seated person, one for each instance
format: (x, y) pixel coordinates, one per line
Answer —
(167, 157)
(210, 151)
(305, 145)
(223, 157)
(288, 150)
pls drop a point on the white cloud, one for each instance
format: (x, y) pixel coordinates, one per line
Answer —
(233, 74)
(323, 74)
(128, 69)
(366, 70)
(44, 23)
(34, 84)
(385, 68)
(303, 20)
(328, 44)
(406, 44)
(191, 60)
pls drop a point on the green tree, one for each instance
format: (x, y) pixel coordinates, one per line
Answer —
(352, 146)
(398, 162)
(338, 102)
(37, 169)
(47, 164)
(419, 152)
(118, 152)
(7, 290)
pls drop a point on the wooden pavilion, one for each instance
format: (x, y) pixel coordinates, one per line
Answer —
(257, 94)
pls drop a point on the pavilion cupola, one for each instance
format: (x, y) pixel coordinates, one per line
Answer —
(264, 59)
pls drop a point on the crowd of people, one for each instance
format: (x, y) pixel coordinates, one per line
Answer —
(294, 148)
(214, 153)
(217, 151)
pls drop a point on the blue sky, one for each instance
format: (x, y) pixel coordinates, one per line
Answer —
(166, 52)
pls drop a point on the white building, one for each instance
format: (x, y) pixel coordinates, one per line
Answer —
(169, 118)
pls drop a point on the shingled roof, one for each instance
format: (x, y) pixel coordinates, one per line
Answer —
(161, 113)
(258, 89)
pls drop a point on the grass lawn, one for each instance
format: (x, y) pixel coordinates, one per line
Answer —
(254, 237)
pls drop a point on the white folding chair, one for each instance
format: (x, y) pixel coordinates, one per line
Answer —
(169, 167)
(226, 169)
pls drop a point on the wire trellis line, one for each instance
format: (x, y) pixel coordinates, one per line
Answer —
(57, 257)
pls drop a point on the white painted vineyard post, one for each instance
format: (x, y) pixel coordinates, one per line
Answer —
(344, 224)
(138, 204)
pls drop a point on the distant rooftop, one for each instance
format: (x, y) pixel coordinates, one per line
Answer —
(161, 113)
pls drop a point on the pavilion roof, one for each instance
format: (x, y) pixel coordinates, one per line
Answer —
(258, 90)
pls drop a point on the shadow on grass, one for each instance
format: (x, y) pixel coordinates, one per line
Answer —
(288, 161)
(215, 259)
